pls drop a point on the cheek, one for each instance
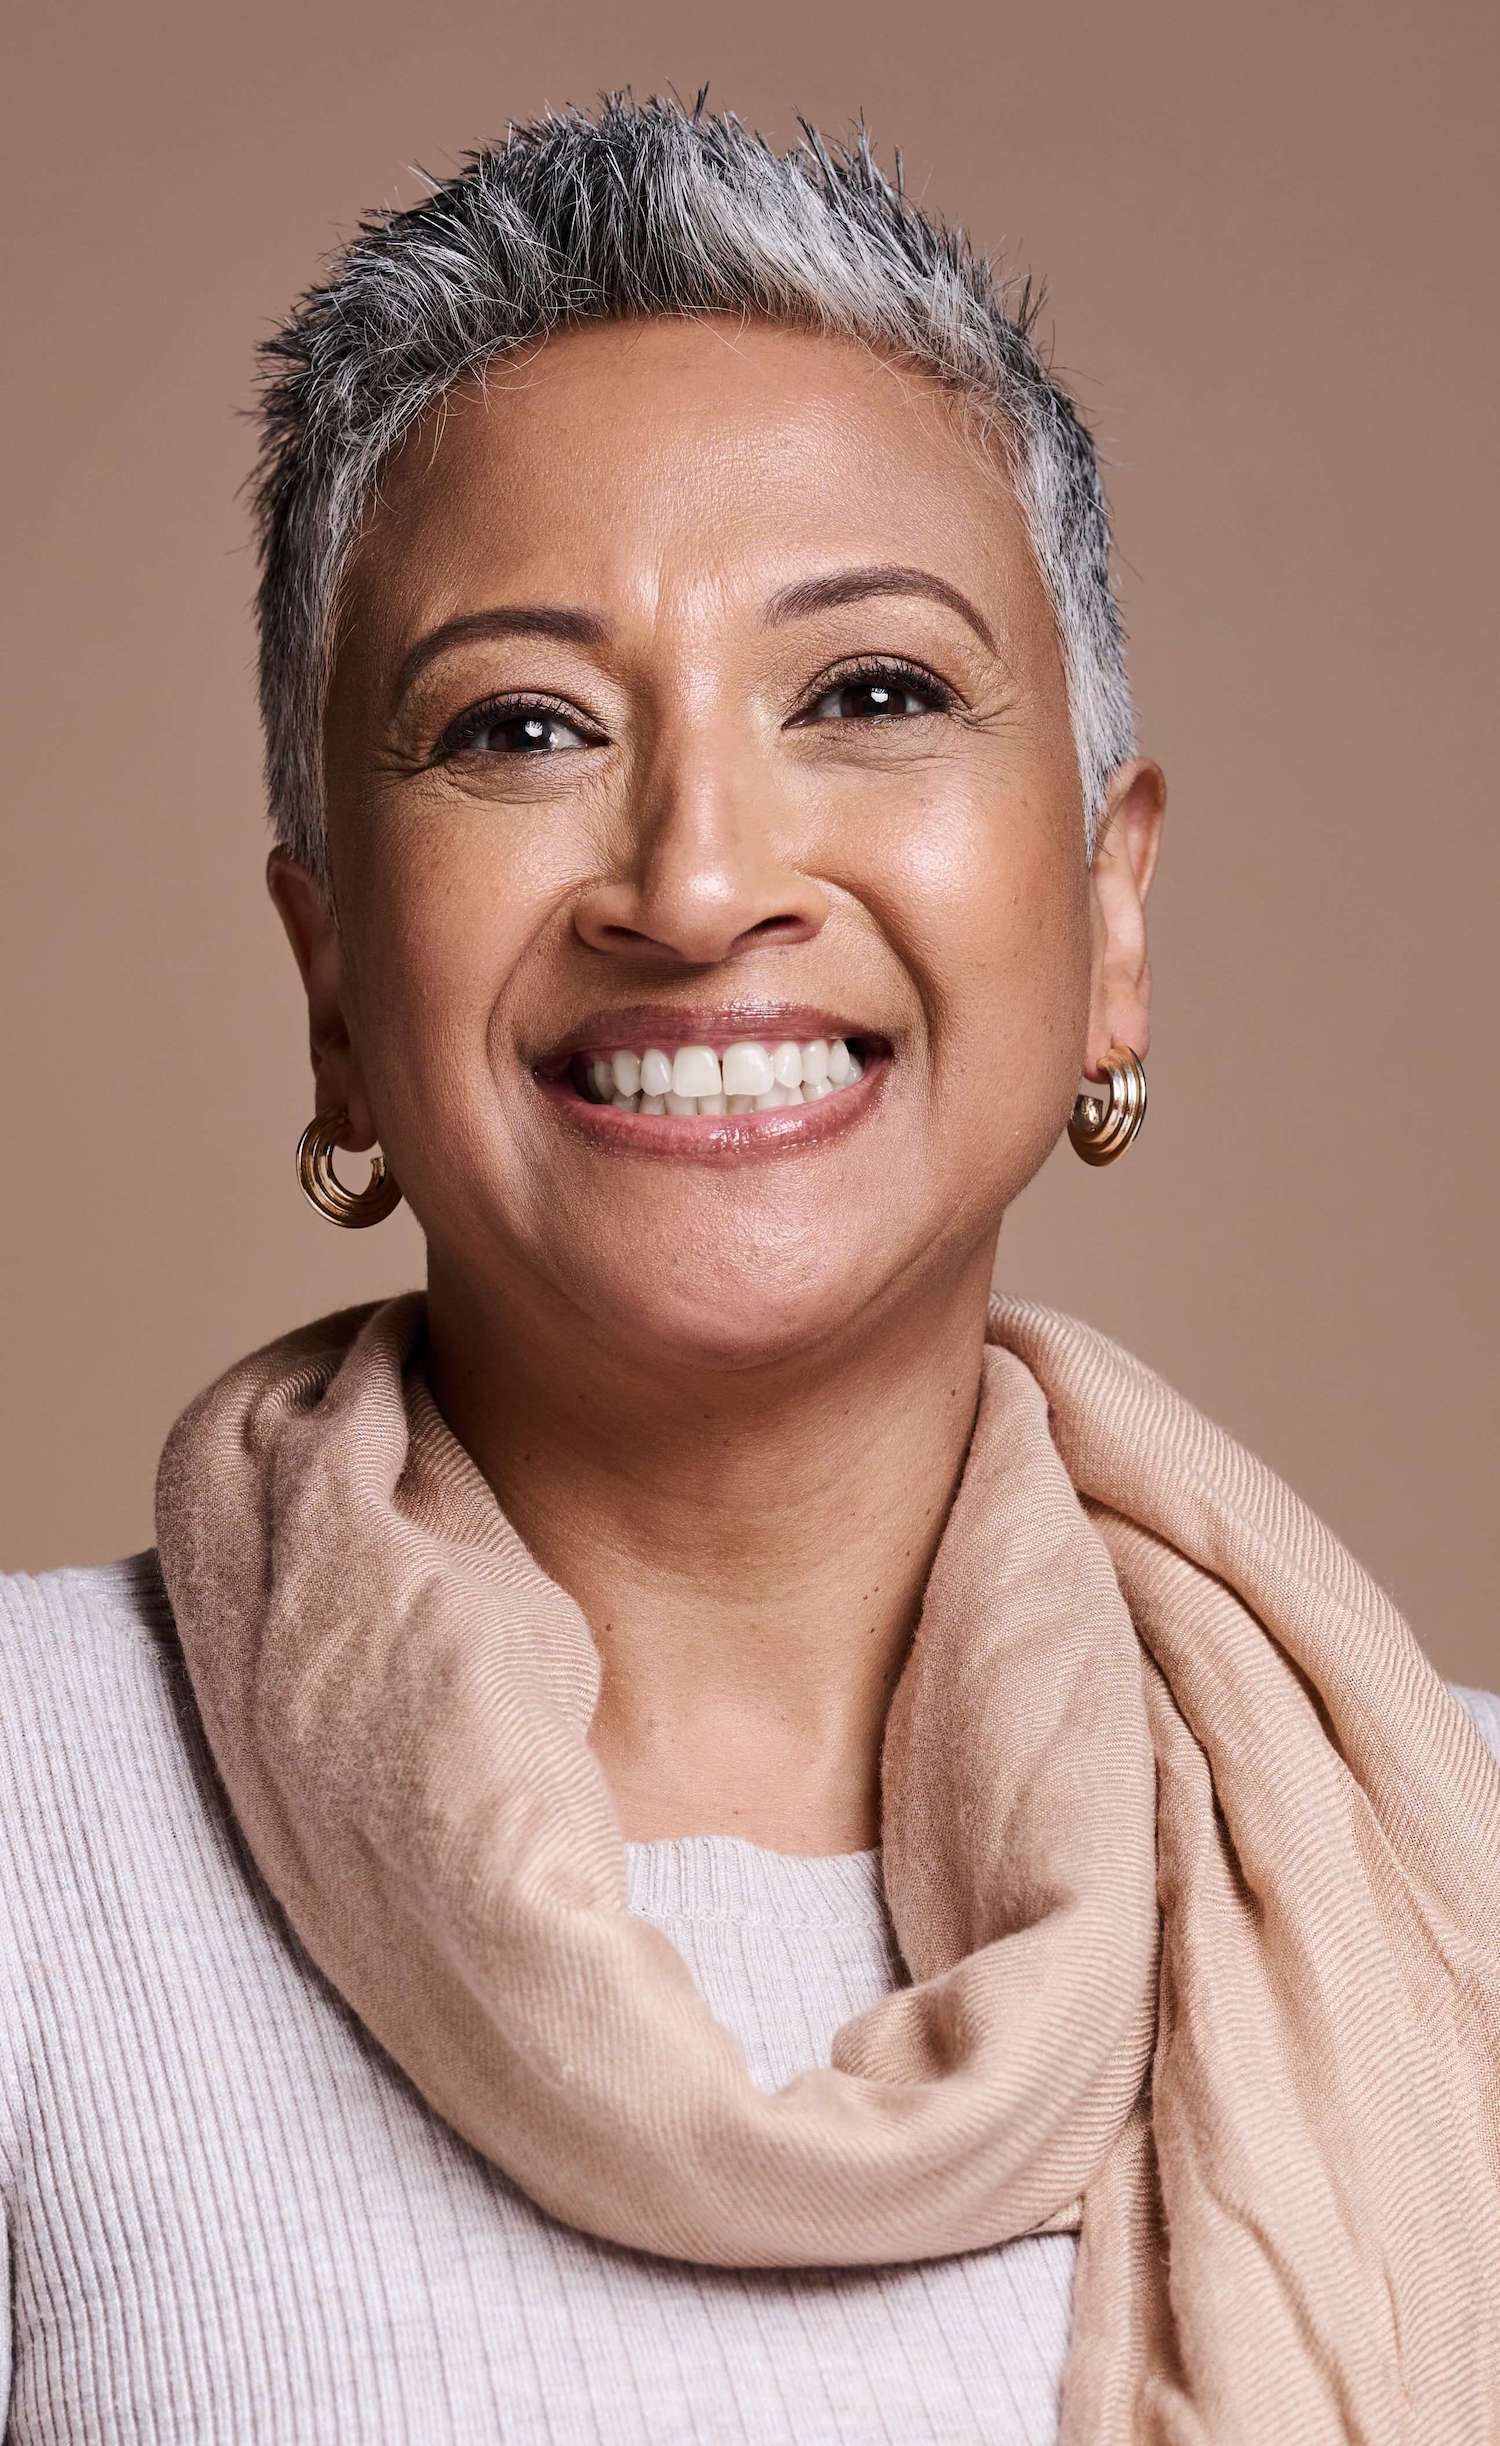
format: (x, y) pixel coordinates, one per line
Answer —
(996, 913)
(1010, 1069)
(440, 937)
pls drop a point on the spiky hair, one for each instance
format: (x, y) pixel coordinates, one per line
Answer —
(644, 208)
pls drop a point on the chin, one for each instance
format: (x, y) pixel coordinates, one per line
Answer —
(732, 1325)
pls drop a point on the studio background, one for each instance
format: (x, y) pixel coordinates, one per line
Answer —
(1268, 240)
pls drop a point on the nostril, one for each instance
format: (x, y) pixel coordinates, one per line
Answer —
(776, 930)
(629, 938)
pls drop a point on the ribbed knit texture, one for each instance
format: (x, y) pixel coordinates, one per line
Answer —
(231, 2219)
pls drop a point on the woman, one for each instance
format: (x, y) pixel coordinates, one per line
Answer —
(707, 1830)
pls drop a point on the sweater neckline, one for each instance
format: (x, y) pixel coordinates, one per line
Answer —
(724, 1877)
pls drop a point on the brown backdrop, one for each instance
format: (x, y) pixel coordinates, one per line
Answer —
(1268, 235)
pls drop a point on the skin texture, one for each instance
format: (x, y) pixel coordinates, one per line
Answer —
(726, 1407)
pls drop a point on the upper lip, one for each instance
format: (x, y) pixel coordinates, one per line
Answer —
(638, 1024)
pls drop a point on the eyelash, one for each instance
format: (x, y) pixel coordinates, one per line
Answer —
(466, 728)
(942, 699)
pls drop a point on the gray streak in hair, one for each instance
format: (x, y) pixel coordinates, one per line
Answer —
(644, 209)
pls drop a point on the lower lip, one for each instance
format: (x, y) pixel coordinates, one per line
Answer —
(720, 1138)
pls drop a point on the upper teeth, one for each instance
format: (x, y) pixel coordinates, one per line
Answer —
(747, 1075)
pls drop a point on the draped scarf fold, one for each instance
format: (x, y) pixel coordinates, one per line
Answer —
(1193, 1860)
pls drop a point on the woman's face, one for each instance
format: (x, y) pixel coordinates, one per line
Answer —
(707, 668)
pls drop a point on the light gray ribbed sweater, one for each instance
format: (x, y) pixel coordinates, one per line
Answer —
(231, 2218)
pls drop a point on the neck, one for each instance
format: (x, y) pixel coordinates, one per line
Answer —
(749, 1546)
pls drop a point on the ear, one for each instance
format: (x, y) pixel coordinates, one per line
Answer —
(1124, 862)
(314, 936)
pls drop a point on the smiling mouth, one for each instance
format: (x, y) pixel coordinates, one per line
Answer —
(745, 1075)
(729, 1101)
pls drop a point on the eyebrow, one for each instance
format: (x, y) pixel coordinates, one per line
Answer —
(858, 585)
(506, 620)
(796, 602)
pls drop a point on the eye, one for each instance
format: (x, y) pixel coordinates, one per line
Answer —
(880, 692)
(513, 726)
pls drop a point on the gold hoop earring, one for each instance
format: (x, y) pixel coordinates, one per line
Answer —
(323, 1189)
(1101, 1131)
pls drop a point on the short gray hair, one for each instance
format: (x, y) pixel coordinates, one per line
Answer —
(647, 208)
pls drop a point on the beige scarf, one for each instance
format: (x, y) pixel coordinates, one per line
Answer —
(1193, 1859)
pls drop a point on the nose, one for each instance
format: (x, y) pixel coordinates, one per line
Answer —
(706, 870)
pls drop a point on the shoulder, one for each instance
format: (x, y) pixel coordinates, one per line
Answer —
(128, 1590)
(91, 1674)
(90, 1677)
(115, 1613)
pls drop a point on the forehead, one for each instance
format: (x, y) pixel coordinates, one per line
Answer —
(686, 462)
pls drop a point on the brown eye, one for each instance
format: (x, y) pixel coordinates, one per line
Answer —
(884, 693)
(511, 728)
